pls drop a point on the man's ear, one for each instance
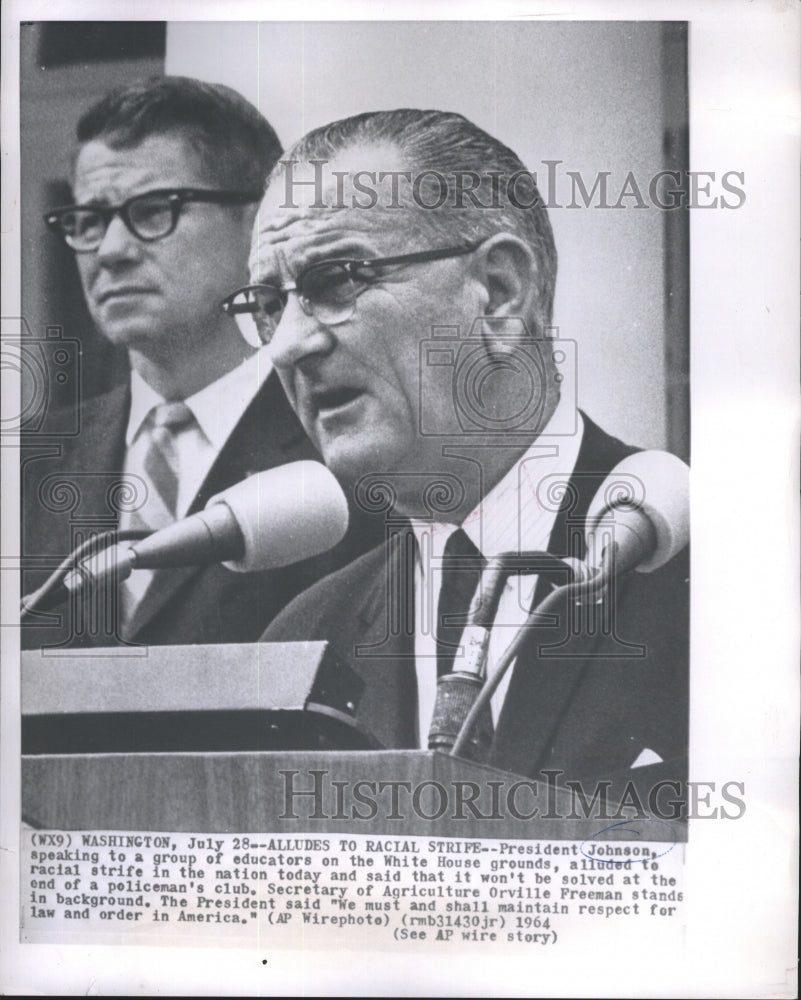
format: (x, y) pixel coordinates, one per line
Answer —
(507, 269)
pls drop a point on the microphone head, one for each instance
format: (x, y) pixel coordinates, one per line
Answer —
(285, 514)
(646, 497)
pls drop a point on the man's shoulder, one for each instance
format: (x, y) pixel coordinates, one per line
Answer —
(333, 600)
(87, 426)
(109, 408)
(76, 437)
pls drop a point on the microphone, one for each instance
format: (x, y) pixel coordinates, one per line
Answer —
(458, 689)
(271, 519)
(640, 517)
(626, 529)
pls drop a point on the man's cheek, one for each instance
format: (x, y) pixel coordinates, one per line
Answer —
(86, 274)
(307, 414)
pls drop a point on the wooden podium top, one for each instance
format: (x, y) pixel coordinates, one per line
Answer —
(235, 677)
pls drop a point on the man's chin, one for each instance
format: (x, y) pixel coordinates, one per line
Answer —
(128, 335)
(356, 465)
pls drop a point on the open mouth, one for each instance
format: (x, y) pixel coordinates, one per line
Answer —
(335, 399)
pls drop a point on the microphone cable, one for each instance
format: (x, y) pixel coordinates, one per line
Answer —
(589, 589)
(92, 546)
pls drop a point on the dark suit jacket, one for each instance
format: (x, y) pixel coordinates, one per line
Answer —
(588, 693)
(68, 490)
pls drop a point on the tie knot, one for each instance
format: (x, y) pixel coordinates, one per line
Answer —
(171, 416)
(459, 550)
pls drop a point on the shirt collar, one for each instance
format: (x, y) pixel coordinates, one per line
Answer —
(217, 408)
(515, 515)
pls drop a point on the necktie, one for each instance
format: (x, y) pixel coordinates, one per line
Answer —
(154, 459)
(462, 564)
(461, 574)
(160, 465)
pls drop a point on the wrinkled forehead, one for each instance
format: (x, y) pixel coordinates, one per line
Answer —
(361, 196)
(308, 185)
(161, 159)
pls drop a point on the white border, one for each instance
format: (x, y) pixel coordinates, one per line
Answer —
(744, 73)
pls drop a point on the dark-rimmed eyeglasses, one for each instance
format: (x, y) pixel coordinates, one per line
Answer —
(150, 216)
(326, 290)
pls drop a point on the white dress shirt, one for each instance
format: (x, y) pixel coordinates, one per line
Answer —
(509, 519)
(217, 410)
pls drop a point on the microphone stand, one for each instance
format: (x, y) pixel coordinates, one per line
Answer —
(590, 589)
(458, 690)
(53, 591)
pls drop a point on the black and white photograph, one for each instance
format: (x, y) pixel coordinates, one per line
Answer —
(375, 577)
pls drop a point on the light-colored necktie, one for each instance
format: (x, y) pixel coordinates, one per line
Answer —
(160, 468)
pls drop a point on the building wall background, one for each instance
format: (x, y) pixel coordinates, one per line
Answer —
(64, 68)
(596, 96)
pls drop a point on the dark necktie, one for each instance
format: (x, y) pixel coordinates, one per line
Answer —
(461, 575)
(462, 564)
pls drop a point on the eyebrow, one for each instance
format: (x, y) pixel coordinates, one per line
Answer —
(103, 201)
(100, 202)
(350, 248)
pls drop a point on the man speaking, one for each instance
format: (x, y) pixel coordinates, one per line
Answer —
(403, 274)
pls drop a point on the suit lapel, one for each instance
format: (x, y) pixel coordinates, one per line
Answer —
(99, 449)
(268, 435)
(378, 642)
(544, 680)
(68, 490)
(554, 659)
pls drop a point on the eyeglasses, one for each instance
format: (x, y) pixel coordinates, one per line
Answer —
(326, 290)
(150, 216)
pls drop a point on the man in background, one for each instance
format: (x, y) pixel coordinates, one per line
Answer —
(405, 267)
(167, 179)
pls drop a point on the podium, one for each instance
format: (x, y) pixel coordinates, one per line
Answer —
(258, 738)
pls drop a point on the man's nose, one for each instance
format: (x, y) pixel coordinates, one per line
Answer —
(299, 337)
(118, 244)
